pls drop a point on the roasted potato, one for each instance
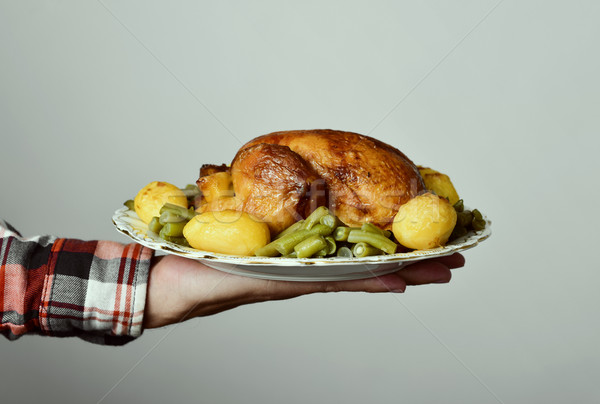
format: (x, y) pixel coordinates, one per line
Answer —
(153, 196)
(439, 183)
(227, 232)
(424, 222)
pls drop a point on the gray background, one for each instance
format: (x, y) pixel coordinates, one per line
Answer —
(99, 98)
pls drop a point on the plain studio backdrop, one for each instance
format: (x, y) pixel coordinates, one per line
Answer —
(98, 98)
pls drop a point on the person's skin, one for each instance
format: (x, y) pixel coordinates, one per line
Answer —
(180, 289)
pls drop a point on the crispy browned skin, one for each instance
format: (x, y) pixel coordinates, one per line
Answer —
(367, 179)
(208, 169)
(275, 184)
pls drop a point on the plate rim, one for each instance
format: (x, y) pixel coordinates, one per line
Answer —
(471, 240)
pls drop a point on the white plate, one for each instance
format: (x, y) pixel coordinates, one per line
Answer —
(292, 269)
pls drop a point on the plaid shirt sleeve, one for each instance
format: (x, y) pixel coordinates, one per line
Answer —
(95, 290)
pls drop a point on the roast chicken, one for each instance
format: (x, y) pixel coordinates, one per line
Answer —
(281, 177)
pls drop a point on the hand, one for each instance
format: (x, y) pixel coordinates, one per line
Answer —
(180, 289)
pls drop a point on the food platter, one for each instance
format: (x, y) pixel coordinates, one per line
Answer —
(128, 223)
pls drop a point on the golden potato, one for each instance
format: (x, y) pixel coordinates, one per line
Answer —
(424, 222)
(227, 232)
(439, 183)
(152, 197)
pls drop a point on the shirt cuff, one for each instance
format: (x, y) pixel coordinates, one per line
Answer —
(95, 290)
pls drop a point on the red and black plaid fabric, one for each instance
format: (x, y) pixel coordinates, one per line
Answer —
(95, 290)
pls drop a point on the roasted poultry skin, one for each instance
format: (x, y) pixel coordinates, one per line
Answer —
(275, 184)
(281, 177)
(367, 179)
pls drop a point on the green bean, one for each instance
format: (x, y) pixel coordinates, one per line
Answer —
(291, 255)
(478, 224)
(464, 218)
(283, 245)
(459, 231)
(376, 240)
(331, 245)
(191, 191)
(321, 229)
(130, 204)
(365, 250)
(329, 220)
(344, 252)
(370, 227)
(341, 232)
(173, 229)
(290, 229)
(267, 251)
(155, 225)
(322, 253)
(170, 217)
(314, 217)
(286, 244)
(374, 229)
(459, 206)
(178, 210)
(177, 240)
(310, 246)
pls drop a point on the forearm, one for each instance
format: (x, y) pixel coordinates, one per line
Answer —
(65, 287)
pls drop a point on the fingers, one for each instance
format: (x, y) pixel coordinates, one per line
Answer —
(387, 283)
(424, 272)
(432, 271)
(453, 261)
(420, 273)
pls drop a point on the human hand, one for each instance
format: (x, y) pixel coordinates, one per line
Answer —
(180, 288)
